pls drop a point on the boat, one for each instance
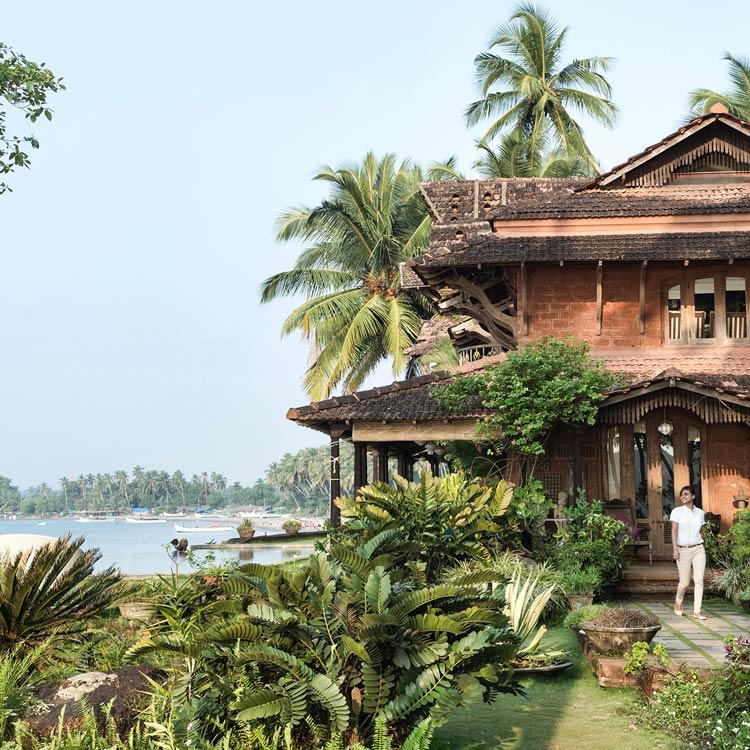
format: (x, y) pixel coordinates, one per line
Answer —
(202, 529)
(42, 523)
(132, 519)
(92, 519)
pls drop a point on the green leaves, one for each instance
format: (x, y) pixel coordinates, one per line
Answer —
(25, 86)
(53, 590)
(431, 524)
(528, 95)
(543, 385)
(356, 315)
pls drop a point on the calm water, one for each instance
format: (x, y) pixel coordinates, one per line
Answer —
(138, 548)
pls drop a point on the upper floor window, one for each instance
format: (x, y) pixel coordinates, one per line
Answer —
(707, 307)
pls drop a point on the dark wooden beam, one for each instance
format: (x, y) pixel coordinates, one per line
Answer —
(381, 469)
(403, 464)
(524, 328)
(642, 299)
(360, 465)
(599, 298)
(577, 463)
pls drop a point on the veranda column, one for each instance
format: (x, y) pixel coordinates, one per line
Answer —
(360, 465)
(577, 464)
(403, 464)
(335, 477)
(382, 467)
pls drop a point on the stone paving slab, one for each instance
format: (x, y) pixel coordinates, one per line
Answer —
(697, 642)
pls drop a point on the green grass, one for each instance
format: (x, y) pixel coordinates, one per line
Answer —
(564, 712)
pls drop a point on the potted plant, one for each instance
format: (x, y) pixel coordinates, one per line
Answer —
(246, 530)
(616, 630)
(138, 603)
(292, 526)
(579, 585)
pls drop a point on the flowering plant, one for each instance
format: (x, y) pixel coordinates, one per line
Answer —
(737, 649)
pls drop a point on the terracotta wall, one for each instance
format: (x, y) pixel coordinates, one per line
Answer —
(562, 301)
(727, 467)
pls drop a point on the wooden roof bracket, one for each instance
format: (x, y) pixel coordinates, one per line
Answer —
(642, 299)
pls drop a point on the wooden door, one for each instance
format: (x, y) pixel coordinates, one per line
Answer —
(672, 438)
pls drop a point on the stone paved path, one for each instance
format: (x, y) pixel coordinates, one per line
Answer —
(693, 642)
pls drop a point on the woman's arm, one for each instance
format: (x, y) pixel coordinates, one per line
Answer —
(675, 551)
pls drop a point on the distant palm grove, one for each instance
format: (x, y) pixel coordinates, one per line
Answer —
(298, 482)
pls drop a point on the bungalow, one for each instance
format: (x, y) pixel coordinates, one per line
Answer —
(650, 264)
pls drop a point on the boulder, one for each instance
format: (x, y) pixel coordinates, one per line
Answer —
(125, 688)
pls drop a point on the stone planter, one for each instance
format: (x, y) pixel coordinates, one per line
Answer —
(246, 532)
(580, 600)
(137, 611)
(617, 640)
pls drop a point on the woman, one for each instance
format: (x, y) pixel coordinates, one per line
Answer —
(688, 550)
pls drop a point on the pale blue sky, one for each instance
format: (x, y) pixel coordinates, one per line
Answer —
(133, 249)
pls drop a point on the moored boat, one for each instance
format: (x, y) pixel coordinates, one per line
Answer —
(196, 529)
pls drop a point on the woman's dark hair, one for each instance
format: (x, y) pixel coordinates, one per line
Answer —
(688, 488)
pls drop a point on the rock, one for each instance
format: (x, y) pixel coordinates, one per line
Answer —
(125, 687)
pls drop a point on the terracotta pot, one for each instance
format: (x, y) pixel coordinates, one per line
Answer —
(137, 611)
(617, 640)
(246, 532)
(652, 678)
(580, 600)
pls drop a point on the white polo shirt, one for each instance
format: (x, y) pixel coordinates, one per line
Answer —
(689, 524)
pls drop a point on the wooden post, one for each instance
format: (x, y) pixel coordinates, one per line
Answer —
(360, 465)
(642, 299)
(577, 464)
(524, 317)
(381, 471)
(599, 298)
(403, 464)
(335, 477)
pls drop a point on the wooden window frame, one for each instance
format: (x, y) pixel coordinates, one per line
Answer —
(686, 281)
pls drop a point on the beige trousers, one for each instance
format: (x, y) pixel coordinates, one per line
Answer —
(695, 558)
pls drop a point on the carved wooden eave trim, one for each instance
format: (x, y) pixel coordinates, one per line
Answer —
(690, 130)
(411, 431)
(712, 405)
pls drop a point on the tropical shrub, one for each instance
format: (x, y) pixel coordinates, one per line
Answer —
(343, 639)
(590, 541)
(428, 525)
(52, 591)
(18, 676)
(730, 555)
(579, 581)
(543, 385)
(710, 713)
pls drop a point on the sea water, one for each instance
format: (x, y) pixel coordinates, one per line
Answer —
(142, 548)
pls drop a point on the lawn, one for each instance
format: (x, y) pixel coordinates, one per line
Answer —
(566, 712)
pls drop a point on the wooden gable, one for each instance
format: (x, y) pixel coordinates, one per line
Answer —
(712, 149)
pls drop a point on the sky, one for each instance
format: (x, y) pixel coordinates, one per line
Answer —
(132, 250)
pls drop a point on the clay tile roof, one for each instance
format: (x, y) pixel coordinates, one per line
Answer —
(493, 249)
(409, 279)
(404, 400)
(471, 201)
(726, 371)
(719, 368)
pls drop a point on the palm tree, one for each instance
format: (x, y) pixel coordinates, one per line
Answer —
(511, 159)
(528, 91)
(736, 100)
(357, 313)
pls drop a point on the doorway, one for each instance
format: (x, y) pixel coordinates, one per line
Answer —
(659, 454)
